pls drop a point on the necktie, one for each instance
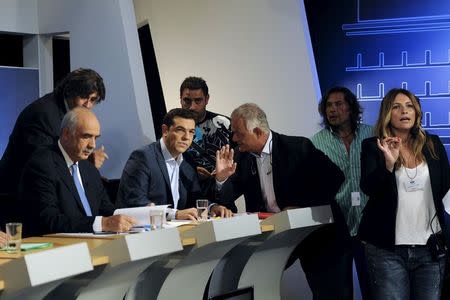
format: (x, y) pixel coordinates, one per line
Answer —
(80, 190)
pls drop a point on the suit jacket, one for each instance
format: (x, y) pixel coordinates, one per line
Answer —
(379, 216)
(49, 198)
(145, 179)
(302, 176)
(37, 125)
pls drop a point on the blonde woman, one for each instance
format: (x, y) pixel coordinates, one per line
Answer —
(405, 173)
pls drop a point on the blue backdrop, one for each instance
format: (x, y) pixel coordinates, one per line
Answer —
(371, 46)
(18, 87)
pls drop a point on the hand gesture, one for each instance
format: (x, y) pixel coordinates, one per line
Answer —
(225, 165)
(220, 211)
(118, 223)
(390, 147)
(98, 157)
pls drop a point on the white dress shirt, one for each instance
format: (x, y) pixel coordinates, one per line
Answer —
(264, 164)
(173, 169)
(97, 226)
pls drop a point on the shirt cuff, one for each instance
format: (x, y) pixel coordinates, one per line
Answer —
(97, 226)
(171, 214)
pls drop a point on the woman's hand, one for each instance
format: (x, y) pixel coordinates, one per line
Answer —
(390, 147)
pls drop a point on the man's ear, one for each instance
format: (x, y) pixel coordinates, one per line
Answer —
(257, 131)
(65, 133)
(164, 129)
(206, 99)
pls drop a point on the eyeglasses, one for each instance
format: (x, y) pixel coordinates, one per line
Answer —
(188, 101)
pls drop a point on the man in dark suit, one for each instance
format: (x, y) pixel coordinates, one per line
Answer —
(39, 124)
(277, 172)
(62, 192)
(160, 173)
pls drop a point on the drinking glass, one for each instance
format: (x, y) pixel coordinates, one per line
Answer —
(156, 218)
(202, 209)
(14, 231)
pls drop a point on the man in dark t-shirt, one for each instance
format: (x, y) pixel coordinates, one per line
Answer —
(212, 130)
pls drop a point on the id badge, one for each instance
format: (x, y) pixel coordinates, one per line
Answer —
(415, 184)
(356, 199)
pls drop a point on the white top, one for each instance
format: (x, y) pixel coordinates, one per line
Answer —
(264, 164)
(415, 206)
(173, 169)
(97, 225)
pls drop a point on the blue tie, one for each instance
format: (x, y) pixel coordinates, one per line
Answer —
(80, 190)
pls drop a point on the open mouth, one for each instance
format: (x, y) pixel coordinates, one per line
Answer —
(405, 119)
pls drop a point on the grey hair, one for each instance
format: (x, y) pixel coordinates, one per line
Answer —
(70, 119)
(253, 116)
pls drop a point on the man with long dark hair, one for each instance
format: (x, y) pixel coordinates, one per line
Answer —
(340, 140)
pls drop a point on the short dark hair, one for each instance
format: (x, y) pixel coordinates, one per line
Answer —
(352, 101)
(194, 83)
(168, 119)
(80, 83)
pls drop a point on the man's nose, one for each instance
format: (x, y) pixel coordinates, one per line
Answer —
(91, 143)
(89, 104)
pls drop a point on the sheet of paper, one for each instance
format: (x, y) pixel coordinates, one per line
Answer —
(177, 223)
(141, 214)
(97, 235)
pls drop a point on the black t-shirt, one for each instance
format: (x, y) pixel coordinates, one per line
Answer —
(210, 135)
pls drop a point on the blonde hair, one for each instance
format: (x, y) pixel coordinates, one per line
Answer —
(383, 127)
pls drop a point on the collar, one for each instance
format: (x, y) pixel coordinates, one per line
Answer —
(335, 133)
(66, 156)
(268, 146)
(167, 156)
(267, 149)
(66, 106)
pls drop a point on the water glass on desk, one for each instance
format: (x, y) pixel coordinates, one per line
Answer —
(157, 218)
(14, 232)
(202, 209)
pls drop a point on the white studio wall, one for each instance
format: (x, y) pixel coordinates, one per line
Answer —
(103, 37)
(247, 51)
(18, 16)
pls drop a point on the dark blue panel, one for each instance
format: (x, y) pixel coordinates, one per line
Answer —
(405, 44)
(18, 88)
(394, 9)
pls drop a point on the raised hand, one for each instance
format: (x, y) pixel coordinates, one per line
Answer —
(225, 165)
(98, 157)
(390, 147)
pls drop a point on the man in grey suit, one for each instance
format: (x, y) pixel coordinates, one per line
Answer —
(161, 173)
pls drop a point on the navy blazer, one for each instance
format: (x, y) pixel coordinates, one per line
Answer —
(303, 176)
(145, 179)
(49, 198)
(379, 215)
(37, 125)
